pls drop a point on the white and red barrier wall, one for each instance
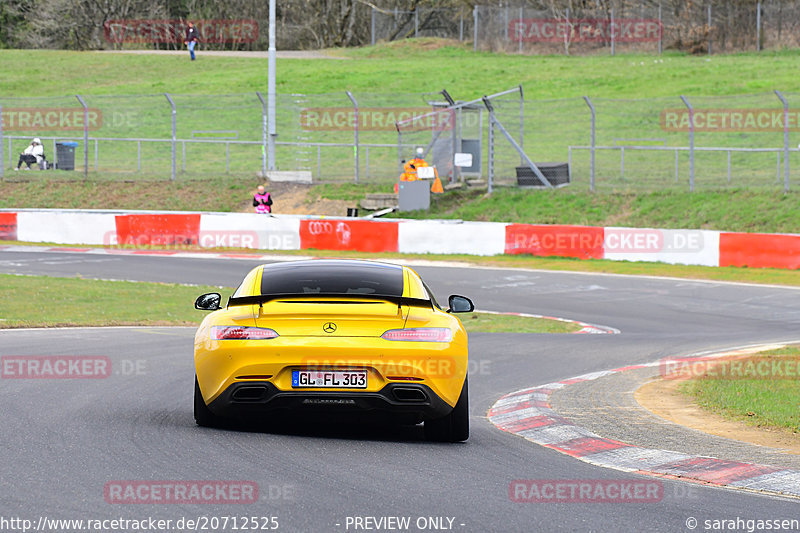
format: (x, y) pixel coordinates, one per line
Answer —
(287, 232)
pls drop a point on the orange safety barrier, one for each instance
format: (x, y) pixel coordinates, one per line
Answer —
(582, 242)
(759, 250)
(8, 226)
(358, 235)
(158, 229)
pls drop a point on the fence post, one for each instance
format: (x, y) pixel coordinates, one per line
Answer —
(2, 155)
(613, 33)
(709, 29)
(691, 142)
(264, 135)
(416, 22)
(519, 33)
(355, 131)
(271, 88)
(785, 140)
(566, 33)
(174, 132)
(521, 122)
(758, 26)
(372, 27)
(85, 135)
(461, 26)
(660, 30)
(490, 163)
(592, 151)
(475, 29)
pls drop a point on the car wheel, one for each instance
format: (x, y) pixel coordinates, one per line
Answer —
(455, 426)
(202, 414)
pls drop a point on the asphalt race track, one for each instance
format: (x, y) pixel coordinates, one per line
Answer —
(64, 440)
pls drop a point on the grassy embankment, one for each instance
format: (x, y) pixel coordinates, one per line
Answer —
(767, 397)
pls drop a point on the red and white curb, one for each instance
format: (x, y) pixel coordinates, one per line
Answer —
(585, 328)
(527, 413)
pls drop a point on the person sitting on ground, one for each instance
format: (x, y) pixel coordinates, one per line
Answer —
(34, 153)
(262, 201)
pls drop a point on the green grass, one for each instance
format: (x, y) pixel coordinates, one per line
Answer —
(765, 401)
(42, 301)
(421, 65)
(492, 323)
(735, 210)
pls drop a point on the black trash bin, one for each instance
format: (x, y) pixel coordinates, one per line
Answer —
(65, 155)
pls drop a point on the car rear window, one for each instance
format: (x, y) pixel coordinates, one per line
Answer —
(329, 277)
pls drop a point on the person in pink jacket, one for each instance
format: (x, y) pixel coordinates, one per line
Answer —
(262, 201)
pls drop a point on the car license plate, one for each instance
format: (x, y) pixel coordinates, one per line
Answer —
(339, 379)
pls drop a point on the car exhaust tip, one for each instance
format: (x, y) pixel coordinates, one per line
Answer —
(409, 394)
(249, 393)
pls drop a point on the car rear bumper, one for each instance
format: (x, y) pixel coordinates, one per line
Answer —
(413, 402)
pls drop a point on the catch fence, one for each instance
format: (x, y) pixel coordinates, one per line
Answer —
(743, 141)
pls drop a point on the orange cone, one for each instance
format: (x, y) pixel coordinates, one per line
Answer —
(437, 186)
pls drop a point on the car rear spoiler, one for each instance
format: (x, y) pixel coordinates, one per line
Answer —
(340, 298)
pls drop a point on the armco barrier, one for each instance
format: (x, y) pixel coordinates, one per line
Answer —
(65, 227)
(450, 237)
(759, 250)
(350, 234)
(674, 246)
(8, 226)
(158, 229)
(581, 242)
(289, 232)
(249, 230)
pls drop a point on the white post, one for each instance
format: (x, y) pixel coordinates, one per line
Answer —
(271, 87)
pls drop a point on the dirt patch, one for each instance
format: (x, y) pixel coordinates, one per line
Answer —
(295, 199)
(663, 398)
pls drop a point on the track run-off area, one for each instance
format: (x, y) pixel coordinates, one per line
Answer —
(71, 445)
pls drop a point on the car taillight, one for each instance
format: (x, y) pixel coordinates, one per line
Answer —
(219, 333)
(419, 334)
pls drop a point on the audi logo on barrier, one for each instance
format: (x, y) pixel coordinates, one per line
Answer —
(323, 227)
(318, 227)
(329, 327)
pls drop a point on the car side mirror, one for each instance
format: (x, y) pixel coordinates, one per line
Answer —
(208, 302)
(460, 304)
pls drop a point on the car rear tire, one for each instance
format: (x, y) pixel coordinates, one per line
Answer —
(455, 426)
(202, 414)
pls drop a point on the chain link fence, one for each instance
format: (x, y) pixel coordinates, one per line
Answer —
(742, 141)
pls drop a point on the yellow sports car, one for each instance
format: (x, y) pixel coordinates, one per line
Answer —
(340, 336)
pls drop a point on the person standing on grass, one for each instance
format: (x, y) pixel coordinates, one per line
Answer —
(191, 39)
(262, 201)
